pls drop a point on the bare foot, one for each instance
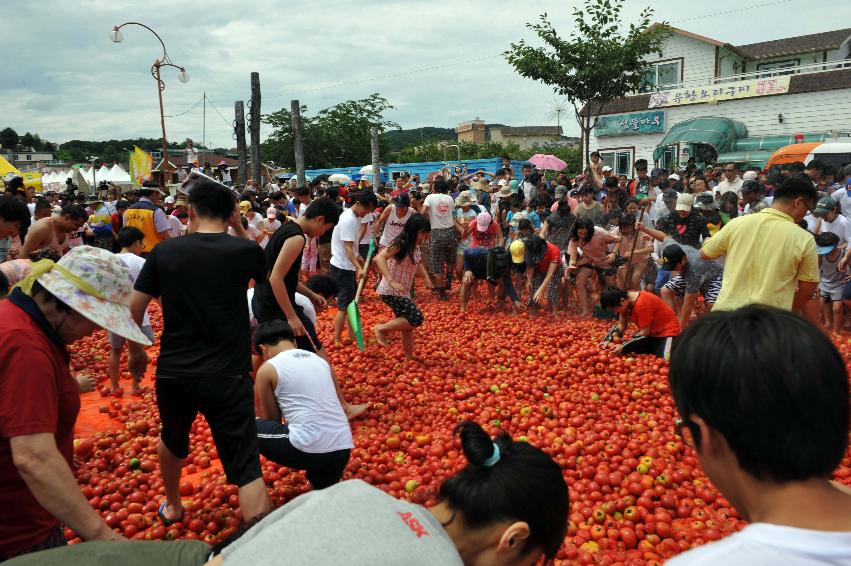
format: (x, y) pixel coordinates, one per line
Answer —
(414, 359)
(354, 411)
(382, 339)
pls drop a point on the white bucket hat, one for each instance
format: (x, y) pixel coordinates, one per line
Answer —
(96, 284)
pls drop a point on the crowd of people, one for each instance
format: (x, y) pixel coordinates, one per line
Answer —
(240, 277)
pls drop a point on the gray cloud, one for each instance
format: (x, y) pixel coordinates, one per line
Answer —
(66, 80)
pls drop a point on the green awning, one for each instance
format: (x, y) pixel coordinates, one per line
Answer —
(720, 133)
(772, 143)
(746, 158)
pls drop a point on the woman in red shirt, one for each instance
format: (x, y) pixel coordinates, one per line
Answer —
(657, 323)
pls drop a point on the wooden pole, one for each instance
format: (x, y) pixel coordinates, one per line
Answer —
(295, 110)
(242, 171)
(376, 161)
(254, 127)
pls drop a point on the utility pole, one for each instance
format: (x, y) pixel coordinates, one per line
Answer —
(295, 110)
(204, 126)
(239, 126)
(376, 162)
(254, 126)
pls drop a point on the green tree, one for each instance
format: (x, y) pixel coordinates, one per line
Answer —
(594, 65)
(31, 140)
(335, 137)
(8, 138)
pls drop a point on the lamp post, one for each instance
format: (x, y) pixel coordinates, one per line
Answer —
(164, 61)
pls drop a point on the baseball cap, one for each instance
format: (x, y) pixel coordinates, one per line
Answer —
(518, 251)
(705, 201)
(403, 199)
(684, 202)
(658, 172)
(244, 206)
(749, 176)
(271, 212)
(825, 205)
(670, 195)
(826, 242)
(169, 199)
(514, 185)
(751, 187)
(483, 220)
(672, 255)
(606, 169)
(673, 177)
(561, 190)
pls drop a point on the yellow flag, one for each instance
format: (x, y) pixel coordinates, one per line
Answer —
(141, 163)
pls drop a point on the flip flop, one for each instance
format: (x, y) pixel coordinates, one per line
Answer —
(161, 515)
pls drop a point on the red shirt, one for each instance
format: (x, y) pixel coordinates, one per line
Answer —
(552, 255)
(486, 239)
(650, 310)
(37, 395)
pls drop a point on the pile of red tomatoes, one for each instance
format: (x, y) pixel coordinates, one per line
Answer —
(637, 493)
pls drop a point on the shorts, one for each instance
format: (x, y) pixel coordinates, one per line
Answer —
(554, 288)
(228, 405)
(405, 308)
(443, 249)
(846, 292)
(323, 469)
(324, 257)
(662, 278)
(659, 346)
(346, 286)
(117, 342)
(309, 342)
(709, 289)
(832, 295)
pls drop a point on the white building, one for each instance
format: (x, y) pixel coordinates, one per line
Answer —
(715, 102)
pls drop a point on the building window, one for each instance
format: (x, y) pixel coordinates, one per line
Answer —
(778, 68)
(660, 76)
(29, 157)
(669, 158)
(620, 160)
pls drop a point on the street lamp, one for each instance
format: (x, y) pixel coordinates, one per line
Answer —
(164, 61)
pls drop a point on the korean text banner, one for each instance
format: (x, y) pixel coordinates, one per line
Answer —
(630, 124)
(715, 93)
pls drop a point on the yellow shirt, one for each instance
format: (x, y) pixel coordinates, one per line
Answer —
(767, 254)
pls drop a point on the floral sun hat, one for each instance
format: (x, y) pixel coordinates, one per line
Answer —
(93, 282)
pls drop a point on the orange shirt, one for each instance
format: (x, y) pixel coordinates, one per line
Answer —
(650, 310)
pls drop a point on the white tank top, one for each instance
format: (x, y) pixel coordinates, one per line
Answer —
(394, 226)
(309, 403)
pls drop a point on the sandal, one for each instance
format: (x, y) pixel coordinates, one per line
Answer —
(161, 515)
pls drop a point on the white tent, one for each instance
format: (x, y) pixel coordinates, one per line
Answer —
(86, 173)
(118, 175)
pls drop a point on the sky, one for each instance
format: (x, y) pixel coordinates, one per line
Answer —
(438, 62)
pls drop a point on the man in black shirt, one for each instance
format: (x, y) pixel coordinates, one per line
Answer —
(681, 225)
(205, 354)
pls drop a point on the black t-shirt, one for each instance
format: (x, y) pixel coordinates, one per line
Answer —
(202, 280)
(686, 230)
(265, 303)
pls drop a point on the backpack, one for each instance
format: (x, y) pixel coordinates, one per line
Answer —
(498, 263)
